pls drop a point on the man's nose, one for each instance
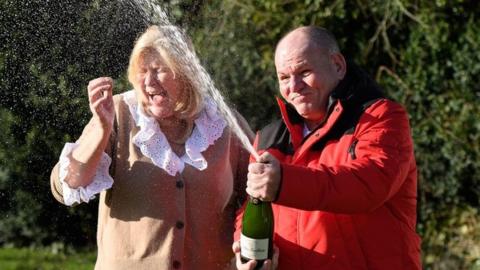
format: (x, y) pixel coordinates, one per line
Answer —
(296, 84)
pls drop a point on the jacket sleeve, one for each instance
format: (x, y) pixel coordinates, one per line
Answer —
(384, 157)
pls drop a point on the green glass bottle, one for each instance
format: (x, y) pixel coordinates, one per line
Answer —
(256, 239)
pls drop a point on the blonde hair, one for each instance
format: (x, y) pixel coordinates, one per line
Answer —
(155, 40)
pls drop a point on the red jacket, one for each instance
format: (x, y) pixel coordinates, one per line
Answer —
(349, 189)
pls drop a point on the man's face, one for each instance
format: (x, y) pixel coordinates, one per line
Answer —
(306, 76)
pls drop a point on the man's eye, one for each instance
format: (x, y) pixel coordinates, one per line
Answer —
(306, 73)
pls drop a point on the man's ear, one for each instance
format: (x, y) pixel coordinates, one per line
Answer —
(339, 64)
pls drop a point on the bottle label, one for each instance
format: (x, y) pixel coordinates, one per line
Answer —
(254, 249)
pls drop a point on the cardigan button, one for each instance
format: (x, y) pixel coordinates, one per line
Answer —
(179, 184)
(179, 225)
(176, 264)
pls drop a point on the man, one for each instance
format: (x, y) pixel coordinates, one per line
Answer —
(339, 166)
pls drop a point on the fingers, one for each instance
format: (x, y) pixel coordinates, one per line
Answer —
(267, 265)
(264, 177)
(104, 100)
(276, 254)
(99, 82)
(100, 98)
(236, 247)
(99, 88)
(265, 163)
(266, 157)
(256, 168)
(99, 92)
(257, 186)
(250, 265)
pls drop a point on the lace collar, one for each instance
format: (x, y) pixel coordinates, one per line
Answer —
(151, 141)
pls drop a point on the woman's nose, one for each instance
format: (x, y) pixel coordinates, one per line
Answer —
(149, 78)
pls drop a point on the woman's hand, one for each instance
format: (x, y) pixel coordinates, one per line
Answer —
(101, 101)
(86, 156)
(250, 265)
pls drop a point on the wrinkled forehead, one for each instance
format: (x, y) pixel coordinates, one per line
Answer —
(297, 50)
(293, 55)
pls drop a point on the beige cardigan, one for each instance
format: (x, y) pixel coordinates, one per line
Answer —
(151, 220)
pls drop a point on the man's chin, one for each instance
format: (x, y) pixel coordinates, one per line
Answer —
(303, 110)
(311, 116)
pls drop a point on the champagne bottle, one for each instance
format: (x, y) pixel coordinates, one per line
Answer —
(256, 239)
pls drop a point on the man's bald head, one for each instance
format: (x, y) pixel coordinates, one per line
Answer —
(312, 36)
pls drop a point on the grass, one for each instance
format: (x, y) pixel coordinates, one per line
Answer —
(45, 259)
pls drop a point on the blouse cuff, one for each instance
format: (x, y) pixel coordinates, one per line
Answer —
(101, 181)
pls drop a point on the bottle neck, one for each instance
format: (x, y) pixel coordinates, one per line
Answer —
(256, 201)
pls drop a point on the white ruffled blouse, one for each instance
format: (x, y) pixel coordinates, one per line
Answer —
(151, 141)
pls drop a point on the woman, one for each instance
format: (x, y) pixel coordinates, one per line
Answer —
(170, 173)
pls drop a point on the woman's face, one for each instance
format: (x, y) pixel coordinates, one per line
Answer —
(158, 88)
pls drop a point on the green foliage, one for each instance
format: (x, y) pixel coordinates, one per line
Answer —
(49, 52)
(53, 258)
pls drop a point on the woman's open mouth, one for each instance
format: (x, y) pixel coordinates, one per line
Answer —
(156, 98)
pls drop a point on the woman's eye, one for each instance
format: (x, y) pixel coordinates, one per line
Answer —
(162, 70)
(141, 74)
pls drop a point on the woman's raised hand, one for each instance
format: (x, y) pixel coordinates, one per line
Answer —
(101, 101)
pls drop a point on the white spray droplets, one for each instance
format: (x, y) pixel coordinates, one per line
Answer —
(176, 39)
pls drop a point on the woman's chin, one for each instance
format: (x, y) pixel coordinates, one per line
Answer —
(160, 113)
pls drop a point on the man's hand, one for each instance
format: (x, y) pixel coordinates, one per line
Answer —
(264, 177)
(250, 265)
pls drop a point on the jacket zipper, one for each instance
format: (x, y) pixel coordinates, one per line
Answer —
(351, 149)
